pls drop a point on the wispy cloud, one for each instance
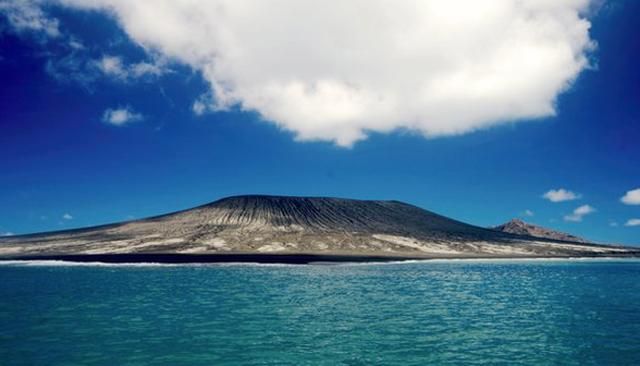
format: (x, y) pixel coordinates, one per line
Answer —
(6, 233)
(199, 107)
(632, 222)
(68, 58)
(67, 216)
(76, 65)
(141, 69)
(72, 67)
(632, 197)
(121, 116)
(579, 213)
(528, 213)
(114, 66)
(27, 15)
(560, 195)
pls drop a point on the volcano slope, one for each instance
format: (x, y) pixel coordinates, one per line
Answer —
(276, 225)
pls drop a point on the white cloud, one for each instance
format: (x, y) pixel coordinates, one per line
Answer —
(528, 213)
(631, 197)
(67, 216)
(113, 66)
(6, 233)
(202, 105)
(560, 195)
(141, 69)
(336, 70)
(584, 210)
(632, 222)
(27, 15)
(199, 107)
(120, 116)
(72, 60)
(579, 213)
(75, 44)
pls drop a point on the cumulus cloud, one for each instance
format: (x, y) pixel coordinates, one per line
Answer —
(120, 116)
(632, 197)
(336, 70)
(560, 195)
(632, 222)
(67, 216)
(579, 213)
(27, 15)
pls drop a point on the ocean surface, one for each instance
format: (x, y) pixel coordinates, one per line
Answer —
(529, 312)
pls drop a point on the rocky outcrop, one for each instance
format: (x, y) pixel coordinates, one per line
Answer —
(520, 227)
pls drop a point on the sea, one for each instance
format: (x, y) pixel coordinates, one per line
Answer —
(439, 312)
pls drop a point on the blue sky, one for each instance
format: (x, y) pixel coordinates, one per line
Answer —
(101, 123)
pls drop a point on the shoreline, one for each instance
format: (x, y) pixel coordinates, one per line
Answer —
(284, 258)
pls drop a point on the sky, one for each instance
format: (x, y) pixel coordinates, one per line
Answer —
(483, 111)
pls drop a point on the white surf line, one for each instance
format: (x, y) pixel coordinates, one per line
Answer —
(62, 263)
(491, 260)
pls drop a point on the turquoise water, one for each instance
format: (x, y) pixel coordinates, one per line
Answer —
(457, 312)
